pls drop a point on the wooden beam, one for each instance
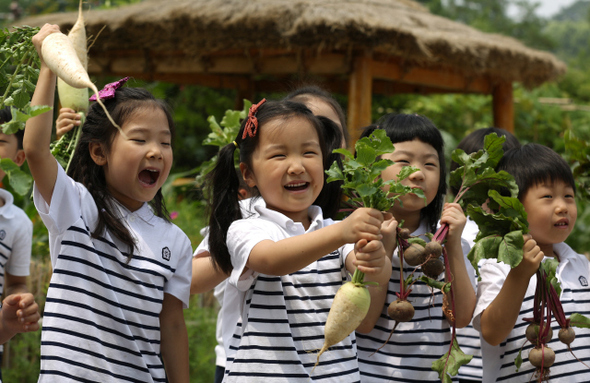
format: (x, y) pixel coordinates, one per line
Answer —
(360, 92)
(432, 77)
(503, 106)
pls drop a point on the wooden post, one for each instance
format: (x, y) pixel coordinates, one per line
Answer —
(245, 90)
(360, 90)
(503, 105)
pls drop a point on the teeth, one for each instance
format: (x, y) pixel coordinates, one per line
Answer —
(296, 185)
(152, 170)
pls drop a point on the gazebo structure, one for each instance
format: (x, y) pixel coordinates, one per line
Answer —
(356, 47)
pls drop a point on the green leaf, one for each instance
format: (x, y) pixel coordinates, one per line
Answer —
(518, 360)
(579, 320)
(448, 365)
(20, 181)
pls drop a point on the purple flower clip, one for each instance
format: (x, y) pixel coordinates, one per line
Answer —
(109, 89)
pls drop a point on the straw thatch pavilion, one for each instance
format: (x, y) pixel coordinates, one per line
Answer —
(356, 47)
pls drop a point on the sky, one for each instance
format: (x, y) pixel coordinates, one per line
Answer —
(549, 8)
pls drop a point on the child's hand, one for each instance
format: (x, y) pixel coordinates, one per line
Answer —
(67, 119)
(363, 223)
(453, 216)
(45, 31)
(20, 313)
(389, 232)
(531, 259)
(369, 256)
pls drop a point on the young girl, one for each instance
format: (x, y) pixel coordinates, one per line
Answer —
(286, 265)
(121, 271)
(409, 354)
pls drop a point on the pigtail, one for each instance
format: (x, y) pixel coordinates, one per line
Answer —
(223, 184)
(331, 195)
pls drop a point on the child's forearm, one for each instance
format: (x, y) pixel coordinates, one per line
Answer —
(294, 253)
(37, 136)
(378, 297)
(463, 292)
(205, 275)
(499, 318)
(174, 340)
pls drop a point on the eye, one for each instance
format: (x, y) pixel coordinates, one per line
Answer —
(136, 140)
(166, 143)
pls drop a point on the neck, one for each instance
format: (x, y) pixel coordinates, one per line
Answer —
(547, 249)
(411, 219)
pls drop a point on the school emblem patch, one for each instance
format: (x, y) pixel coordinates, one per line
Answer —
(583, 281)
(2, 235)
(166, 253)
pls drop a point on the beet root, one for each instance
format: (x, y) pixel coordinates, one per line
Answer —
(542, 357)
(566, 335)
(415, 255)
(532, 334)
(434, 248)
(400, 311)
(404, 233)
(433, 268)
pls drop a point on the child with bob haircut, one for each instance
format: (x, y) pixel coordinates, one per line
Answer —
(121, 270)
(506, 295)
(414, 345)
(286, 265)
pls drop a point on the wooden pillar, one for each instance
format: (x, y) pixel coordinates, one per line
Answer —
(360, 90)
(245, 90)
(503, 105)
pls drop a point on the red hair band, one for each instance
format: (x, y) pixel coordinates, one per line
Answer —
(251, 126)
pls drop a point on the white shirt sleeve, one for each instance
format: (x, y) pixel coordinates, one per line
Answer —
(493, 275)
(20, 257)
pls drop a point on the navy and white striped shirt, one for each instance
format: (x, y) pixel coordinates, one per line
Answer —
(573, 272)
(101, 320)
(281, 326)
(414, 345)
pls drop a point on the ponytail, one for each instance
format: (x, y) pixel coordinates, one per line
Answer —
(224, 206)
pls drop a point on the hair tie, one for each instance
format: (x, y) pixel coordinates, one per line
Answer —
(235, 144)
(251, 126)
(109, 89)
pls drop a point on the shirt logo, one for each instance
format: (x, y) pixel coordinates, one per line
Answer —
(583, 281)
(2, 235)
(166, 253)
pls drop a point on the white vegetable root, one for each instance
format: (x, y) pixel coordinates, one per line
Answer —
(348, 310)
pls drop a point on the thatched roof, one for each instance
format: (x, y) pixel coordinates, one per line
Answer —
(398, 28)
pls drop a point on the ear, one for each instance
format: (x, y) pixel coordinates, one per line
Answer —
(19, 159)
(97, 153)
(248, 175)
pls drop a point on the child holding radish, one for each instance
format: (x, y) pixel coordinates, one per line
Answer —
(287, 264)
(506, 296)
(415, 344)
(121, 270)
(206, 276)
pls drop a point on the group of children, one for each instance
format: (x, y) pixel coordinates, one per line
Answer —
(275, 252)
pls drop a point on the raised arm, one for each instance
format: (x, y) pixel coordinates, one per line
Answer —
(292, 254)
(499, 318)
(37, 135)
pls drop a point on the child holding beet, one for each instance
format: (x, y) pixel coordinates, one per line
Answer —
(507, 296)
(121, 270)
(286, 265)
(415, 344)
(468, 337)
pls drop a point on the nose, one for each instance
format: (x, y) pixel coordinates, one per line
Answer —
(418, 175)
(560, 206)
(296, 166)
(155, 151)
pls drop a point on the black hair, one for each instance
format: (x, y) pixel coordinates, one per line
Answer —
(408, 127)
(308, 92)
(331, 194)
(474, 142)
(532, 164)
(223, 181)
(5, 116)
(97, 128)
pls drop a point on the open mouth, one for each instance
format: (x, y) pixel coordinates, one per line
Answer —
(562, 224)
(149, 176)
(297, 186)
